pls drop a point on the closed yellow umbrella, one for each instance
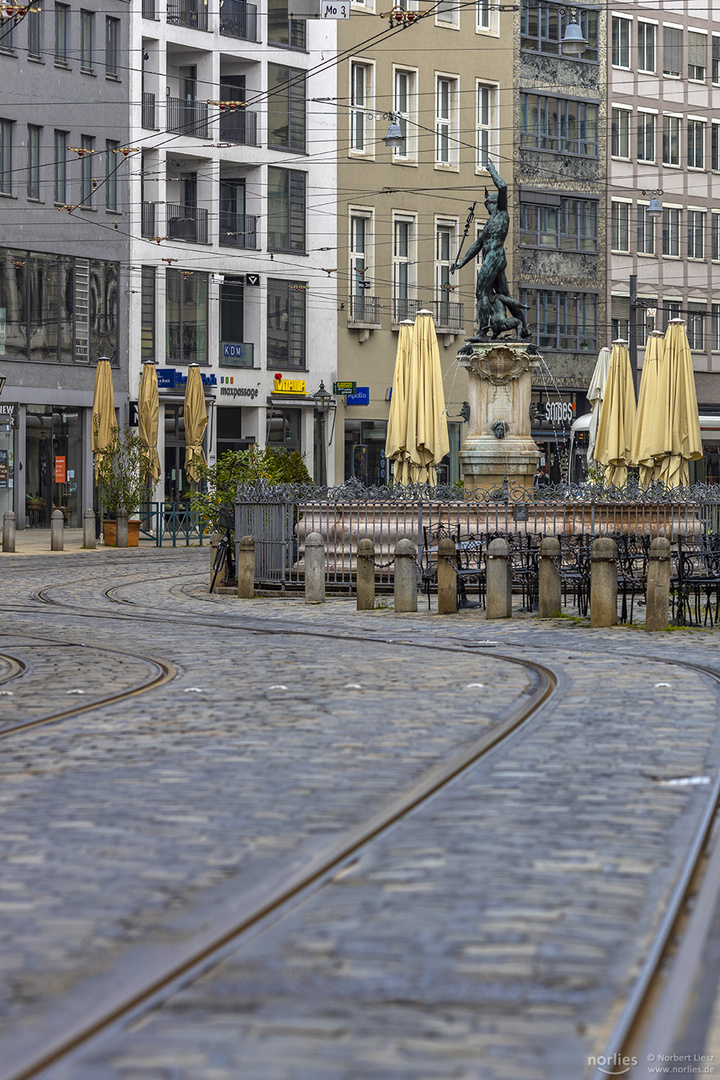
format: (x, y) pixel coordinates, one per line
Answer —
(148, 419)
(643, 454)
(616, 426)
(427, 437)
(596, 389)
(103, 412)
(678, 433)
(195, 421)
(396, 439)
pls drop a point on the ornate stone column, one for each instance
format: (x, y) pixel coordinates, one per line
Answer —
(498, 444)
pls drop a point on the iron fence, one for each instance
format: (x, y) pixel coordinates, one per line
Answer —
(171, 523)
(280, 518)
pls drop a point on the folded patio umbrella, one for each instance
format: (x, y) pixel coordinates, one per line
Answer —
(148, 418)
(596, 389)
(647, 410)
(427, 434)
(396, 439)
(616, 426)
(195, 421)
(103, 412)
(678, 440)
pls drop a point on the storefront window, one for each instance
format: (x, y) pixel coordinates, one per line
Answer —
(365, 451)
(53, 456)
(186, 315)
(7, 461)
(283, 428)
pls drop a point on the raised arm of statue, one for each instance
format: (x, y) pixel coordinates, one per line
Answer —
(499, 184)
(472, 253)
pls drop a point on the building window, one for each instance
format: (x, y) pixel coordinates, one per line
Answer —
(695, 326)
(286, 209)
(671, 231)
(715, 147)
(542, 26)
(696, 234)
(563, 320)
(697, 55)
(86, 170)
(232, 313)
(34, 21)
(620, 226)
(445, 247)
(645, 231)
(359, 117)
(147, 314)
(286, 107)
(715, 237)
(112, 47)
(403, 107)
(286, 323)
(646, 46)
(556, 222)
(6, 37)
(620, 42)
(445, 135)
(112, 161)
(6, 157)
(359, 226)
(645, 320)
(483, 15)
(62, 19)
(86, 40)
(60, 163)
(620, 141)
(672, 51)
(620, 317)
(566, 127)
(671, 310)
(715, 70)
(33, 162)
(715, 328)
(447, 11)
(485, 123)
(646, 136)
(186, 317)
(696, 144)
(403, 268)
(282, 30)
(671, 140)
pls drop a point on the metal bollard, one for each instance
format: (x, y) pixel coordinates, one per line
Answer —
(549, 585)
(603, 582)
(314, 569)
(121, 528)
(446, 577)
(8, 531)
(658, 585)
(57, 525)
(214, 541)
(499, 581)
(89, 536)
(366, 575)
(246, 568)
(405, 580)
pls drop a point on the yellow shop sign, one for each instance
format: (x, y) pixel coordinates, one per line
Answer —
(289, 386)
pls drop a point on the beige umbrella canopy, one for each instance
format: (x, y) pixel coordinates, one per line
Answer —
(103, 412)
(427, 433)
(396, 440)
(596, 389)
(148, 418)
(616, 426)
(647, 412)
(195, 421)
(678, 439)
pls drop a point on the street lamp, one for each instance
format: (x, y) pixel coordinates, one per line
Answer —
(394, 138)
(322, 399)
(654, 208)
(573, 43)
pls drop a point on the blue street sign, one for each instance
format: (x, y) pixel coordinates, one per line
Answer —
(360, 397)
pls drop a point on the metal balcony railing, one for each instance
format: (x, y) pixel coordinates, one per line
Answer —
(187, 117)
(447, 314)
(364, 309)
(238, 20)
(404, 309)
(189, 223)
(148, 110)
(192, 13)
(238, 230)
(239, 126)
(148, 9)
(147, 226)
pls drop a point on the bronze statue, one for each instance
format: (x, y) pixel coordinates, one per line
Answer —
(492, 289)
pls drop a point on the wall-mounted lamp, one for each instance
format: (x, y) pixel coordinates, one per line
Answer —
(654, 208)
(322, 399)
(572, 42)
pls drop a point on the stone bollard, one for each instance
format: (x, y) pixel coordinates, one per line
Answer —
(89, 537)
(549, 586)
(246, 568)
(314, 568)
(499, 581)
(121, 528)
(405, 580)
(8, 531)
(366, 575)
(603, 582)
(57, 525)
(658, 585)
(446, 577)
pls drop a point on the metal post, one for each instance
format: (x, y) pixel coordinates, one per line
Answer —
(8, 531)
(632, 335)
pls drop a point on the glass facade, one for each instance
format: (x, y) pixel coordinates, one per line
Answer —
(53, 457)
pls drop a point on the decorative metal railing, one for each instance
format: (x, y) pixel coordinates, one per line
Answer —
(364, 309)
(237, 230)
(187, 117)
(187, 223)
(238, 20)
(148, 110)
(172, 523)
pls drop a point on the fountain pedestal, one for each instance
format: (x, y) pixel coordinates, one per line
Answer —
(498, 444)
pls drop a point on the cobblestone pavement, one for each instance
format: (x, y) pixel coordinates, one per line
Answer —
(491, 934)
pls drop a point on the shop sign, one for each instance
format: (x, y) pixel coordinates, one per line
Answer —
(289, 386)
(4, 468)
(133, 414)
(553, 413)
(344, 387)
(171, 379)
(360, 397)
(237, 354)
(7, 417)
(59, 470)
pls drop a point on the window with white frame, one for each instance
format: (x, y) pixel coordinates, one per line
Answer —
(404, 107)
(672, 51)
(484, 15)
(620, 134)
(715, 236)
(445, 247)
(715, 328)
(620, 226)
(696, 234)
(696, 144)
(715, 146)
(646, 46)
(620, 317)
(671, 309)
(671, 231)
(620, 41)
(445, 141)
(447, 12)
(696, 325)
(715, 60)
(403, 267)
(646, 127)
(697, 55)
(671, 140)
(645, 230)
(360, 92)
(485, 122)
(363, 306)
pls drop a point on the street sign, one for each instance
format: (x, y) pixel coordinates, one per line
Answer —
(252, 279)
(334, 9)
(344, 387)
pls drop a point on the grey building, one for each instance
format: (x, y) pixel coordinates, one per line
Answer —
(64, 244)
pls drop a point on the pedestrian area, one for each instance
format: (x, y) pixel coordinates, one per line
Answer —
(265, 840)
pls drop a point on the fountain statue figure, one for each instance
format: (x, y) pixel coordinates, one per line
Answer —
(492, 289)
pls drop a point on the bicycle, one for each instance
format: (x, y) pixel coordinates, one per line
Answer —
(224, 557)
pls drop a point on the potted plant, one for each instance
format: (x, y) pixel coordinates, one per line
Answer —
(121, 482)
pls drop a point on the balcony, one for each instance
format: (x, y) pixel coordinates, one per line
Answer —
(237, 230)
(404, 309)
(238, 20)
(447, 315)
(187, 117)
(190, 13)
(239, 126)
(365, 310)
(148, 111)
(148, 9)
(188, 223)
(147, 227)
